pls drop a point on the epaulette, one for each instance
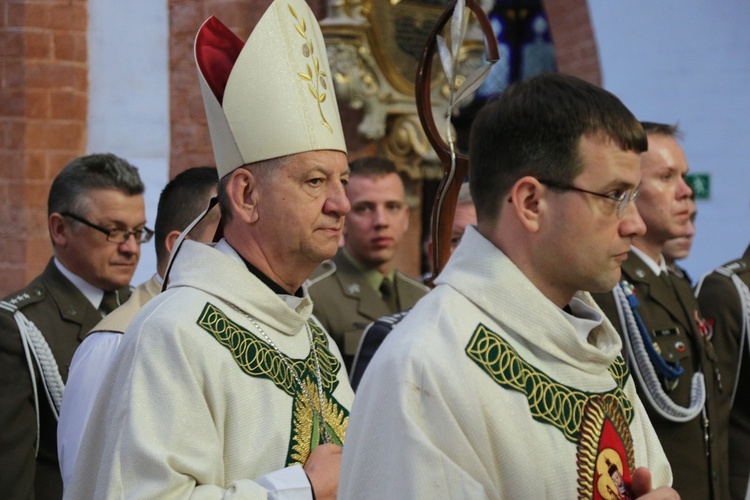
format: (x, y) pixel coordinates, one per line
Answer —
(26, 297)
(324, 270)
(738, 266)
(393, 318)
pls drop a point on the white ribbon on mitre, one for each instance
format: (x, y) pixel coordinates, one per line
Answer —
(272, 96)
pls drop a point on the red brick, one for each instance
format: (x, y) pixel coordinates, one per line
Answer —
(12, 102)
(185, 79)
(37, 104)
(69, 105)
(241, 17)
(37, 44)
(11, 279)
(57, 161)
(70, 47)
(39, 249)
(65, 16)
(13, 220)
(12, 74)
(11, 43)
(13, 135)
(12, 249)
(14, 15)
(36, 167)
(54, 135)
(186, 18)
(11, 165)
(56, 76)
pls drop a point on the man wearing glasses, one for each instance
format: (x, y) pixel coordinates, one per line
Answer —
(97, 222)
(506, 380)
(666, 340)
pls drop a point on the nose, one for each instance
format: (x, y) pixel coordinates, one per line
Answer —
(130, 246)
(381, 217)
(337, 202)
(631, 223)
(684, 190)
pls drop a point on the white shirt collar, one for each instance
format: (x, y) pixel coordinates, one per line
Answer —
(656, 267)
(584, 318)
(92, 293)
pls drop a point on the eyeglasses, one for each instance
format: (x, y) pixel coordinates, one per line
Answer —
(118, 236)
(621, 200)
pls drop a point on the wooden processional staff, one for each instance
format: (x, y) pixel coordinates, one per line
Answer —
(455, 164)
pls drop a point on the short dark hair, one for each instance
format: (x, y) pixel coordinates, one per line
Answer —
(534, 128)
(180, 202)
(372, 166)
(70, 189)
(669, 130)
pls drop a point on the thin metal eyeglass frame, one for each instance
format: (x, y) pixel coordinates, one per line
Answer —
(620, 201)
(146, 233)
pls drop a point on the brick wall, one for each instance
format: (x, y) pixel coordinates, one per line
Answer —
(43, 104)
(575, 46)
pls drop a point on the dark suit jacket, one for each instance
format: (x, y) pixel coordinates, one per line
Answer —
(720, 303)
(345, 303)
(669, 314)
(64, 316)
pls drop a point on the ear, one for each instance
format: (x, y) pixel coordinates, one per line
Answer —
(170, 240)
(527, 202)
(58, 230)
(243, 193)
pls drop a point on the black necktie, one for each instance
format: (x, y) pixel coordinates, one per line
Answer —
(389, 294)
(109, 303)
(664, 276)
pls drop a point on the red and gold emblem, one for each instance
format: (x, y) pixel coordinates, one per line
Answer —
(605, 452)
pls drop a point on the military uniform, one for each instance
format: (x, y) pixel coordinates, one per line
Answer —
(670, 314)
(64, 316)
(720, 302)
(345, 303)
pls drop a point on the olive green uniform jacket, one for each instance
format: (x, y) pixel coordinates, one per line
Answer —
(345, 303)
(671, 316)
(64, 316)
(720, 303)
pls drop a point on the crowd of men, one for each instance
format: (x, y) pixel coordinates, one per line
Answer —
(562, 351)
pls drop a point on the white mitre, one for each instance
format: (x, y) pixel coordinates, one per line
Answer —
(272, 96)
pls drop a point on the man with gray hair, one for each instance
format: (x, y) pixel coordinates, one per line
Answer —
(97, 222)
(224, 384)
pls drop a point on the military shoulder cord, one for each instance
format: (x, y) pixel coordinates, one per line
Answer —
(644, 365)
(744, 295)
(34, 345)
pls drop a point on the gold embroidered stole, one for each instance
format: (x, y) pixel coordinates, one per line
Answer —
(257, 358)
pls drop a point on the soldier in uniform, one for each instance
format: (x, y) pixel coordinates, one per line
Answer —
(665, 340)
(361, 284)
(724, 299)
(96, 220)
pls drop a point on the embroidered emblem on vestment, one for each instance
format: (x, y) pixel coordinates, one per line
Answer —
(549, 401)
(605, 452)
(257, 358)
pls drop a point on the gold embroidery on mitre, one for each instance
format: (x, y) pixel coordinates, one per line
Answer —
(601, 471)
(549, 401)
(313, 75)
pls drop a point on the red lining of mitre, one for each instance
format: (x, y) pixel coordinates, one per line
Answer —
(216, 51)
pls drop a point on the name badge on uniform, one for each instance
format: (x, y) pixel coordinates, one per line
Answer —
(663, 332)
